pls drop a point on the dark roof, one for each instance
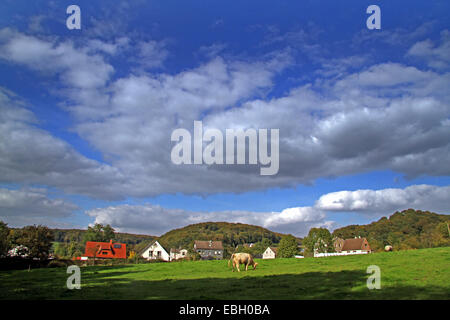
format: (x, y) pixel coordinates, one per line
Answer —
(215, 245)
(354, 244)
(274, 249)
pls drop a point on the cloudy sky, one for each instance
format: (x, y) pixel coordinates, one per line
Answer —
(86, 115)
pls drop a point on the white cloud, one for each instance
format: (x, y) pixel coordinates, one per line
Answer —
(382, 202)
(156, 220)
(33, 206)
(386, 116)
(76, 66)
(32, 202)
(436, 56)
(31, 155)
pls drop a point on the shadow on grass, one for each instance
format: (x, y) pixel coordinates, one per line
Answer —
(311, 285)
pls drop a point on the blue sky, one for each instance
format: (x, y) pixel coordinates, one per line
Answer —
(87, 115)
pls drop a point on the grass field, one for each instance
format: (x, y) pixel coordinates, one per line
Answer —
(414, 274)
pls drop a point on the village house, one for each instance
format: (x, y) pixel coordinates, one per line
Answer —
(155, 251)
(345, 247)
(355, 245)
(270, 253)
(176, 254)
(209, 249)
(105, 250)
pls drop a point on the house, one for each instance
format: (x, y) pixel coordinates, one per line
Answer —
(270, 253)
(338, 244)
(155, 251)
(352, 246)
(356, 245)
(176, 254)
(209, 249)
(105, 250)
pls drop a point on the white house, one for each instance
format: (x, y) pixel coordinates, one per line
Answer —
(270, 253)
(176, 254)
(347, 247)
(355, 246)
(155, 251)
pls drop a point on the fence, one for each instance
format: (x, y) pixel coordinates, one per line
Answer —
(331, 254)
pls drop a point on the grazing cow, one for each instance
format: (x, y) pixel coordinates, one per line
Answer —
(242, 258)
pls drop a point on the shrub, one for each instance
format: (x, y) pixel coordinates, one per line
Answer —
(60, 263)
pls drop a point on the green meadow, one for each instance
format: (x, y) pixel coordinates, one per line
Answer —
(412, 274)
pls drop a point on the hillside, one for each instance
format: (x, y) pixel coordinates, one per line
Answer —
(231, 234)
(408, 229)
(67, 235)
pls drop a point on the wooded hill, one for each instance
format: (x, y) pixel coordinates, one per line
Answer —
(408, 229)
(231, 234)
(68, 235)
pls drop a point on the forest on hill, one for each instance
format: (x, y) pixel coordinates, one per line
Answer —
(408, 229)
(77, 235)
(231, 235)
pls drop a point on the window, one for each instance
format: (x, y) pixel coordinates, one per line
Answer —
(117, 246)
(105, 252)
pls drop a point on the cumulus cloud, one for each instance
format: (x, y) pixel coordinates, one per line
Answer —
(32, 205)
(30, 155)
(420, 197)
(156, 220)
(436, 56)
(75, 66)
(388, 116)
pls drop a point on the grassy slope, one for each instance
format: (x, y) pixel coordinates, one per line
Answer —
(415, 274)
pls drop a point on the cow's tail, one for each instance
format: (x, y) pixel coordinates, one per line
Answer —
(231, 258)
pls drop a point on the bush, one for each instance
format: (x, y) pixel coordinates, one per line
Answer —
(60, 263)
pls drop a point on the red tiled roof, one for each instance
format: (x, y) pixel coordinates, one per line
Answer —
(355, 244)
(106, 250)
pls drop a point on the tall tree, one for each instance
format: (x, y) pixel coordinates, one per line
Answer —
(38, 240)
(99, 233)
(4, 239)
(318, 240)
(288, 247)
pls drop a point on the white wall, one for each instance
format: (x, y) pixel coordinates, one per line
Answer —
(268, 254)
(343, 253)
(155, 248)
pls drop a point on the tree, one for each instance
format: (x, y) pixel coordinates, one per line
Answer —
(288, 247)
(38, 240)
(99, 233)
(4, 239)
(318, 240)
